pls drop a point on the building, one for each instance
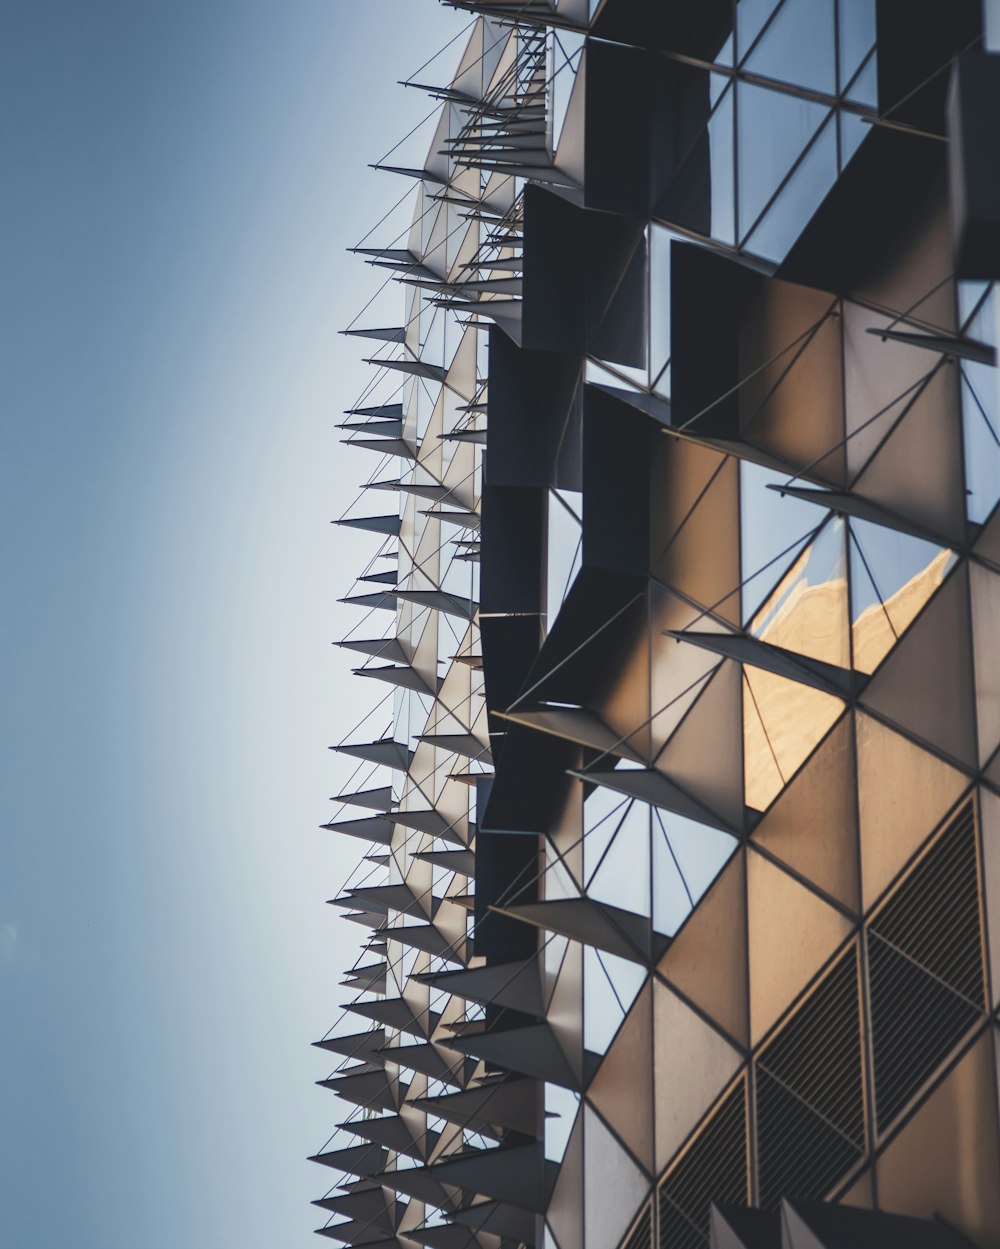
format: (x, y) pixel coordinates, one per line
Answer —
(682, 888)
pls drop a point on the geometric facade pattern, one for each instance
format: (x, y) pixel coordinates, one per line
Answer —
(681, 880)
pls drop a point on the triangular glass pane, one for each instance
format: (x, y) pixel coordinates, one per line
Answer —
(751, 15)
(772, 527)
(566, 51)
(602, 1012)
(776, 129)
(981, 429)
(622, 878)
(722, 198)
(798, 46)
(762, 777)
(563, 548)
(853, 132)
(626, 977)
(561, 1106)
(856, 30)
(699, 851)
(672, 899)
(892, 577)
(807, 612)
(790, 212)
(864, 88)
(603, 811)
(794, 718)
(970, 295)
(700, 196)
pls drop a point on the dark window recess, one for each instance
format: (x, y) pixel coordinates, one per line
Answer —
(641, 1236)
(714, 1169)
(925, 966)
(810, 1099)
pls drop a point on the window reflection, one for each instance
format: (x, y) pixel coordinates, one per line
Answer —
(798, 46)
(785, 124)
(564, 547)
(856, 32)
(892, 577)
(799, 199)
(807, 612)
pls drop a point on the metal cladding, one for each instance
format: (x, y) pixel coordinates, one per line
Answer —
(682, 903)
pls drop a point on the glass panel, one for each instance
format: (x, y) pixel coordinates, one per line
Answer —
(982, 327)
(750, 18)
(561, 1106)
(774, 131)
(772, 527)
(700, 195)
(801, 197)
(602, 1012)
(563, 548)
(864, 89)
(892, 577)
(621, 878)
(856, 30)
(981, 430)
(672, 899)
(969, 295)
(808, 610)
(567, 46)
(603, 811)
(724, 56)
(720, 154)
(698, 851)
(783, 721)
(659, 299)
(853, 132)
(798, 46)
(625, 977)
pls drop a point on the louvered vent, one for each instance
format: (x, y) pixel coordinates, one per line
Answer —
(713, 1169)
(641, 1236)
(810, 1099)
(925, 965)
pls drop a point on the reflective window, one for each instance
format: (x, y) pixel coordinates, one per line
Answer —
(621, 875)
(801, 196)
(751, 16)
(776, 129)
(610, 986)
(772, 526)
(807, 612)
(856, 32)
(798, 46)
(970, 295)
(564, 547)
(864, 88)
(561, 1106)
(566, 49)
(659, 304)
(701, 194)
(892, 577)
(720, 152)
(853, 132)
(687, 857)
(981, 431)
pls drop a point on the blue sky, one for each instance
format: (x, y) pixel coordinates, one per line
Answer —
(181, 178)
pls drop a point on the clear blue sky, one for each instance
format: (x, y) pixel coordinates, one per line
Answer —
(180, 180)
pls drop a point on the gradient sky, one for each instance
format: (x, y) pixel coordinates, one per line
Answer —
(180, 180)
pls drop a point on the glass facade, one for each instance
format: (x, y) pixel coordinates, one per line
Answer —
(682, 908)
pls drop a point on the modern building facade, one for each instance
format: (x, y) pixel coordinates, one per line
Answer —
(681, 875)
